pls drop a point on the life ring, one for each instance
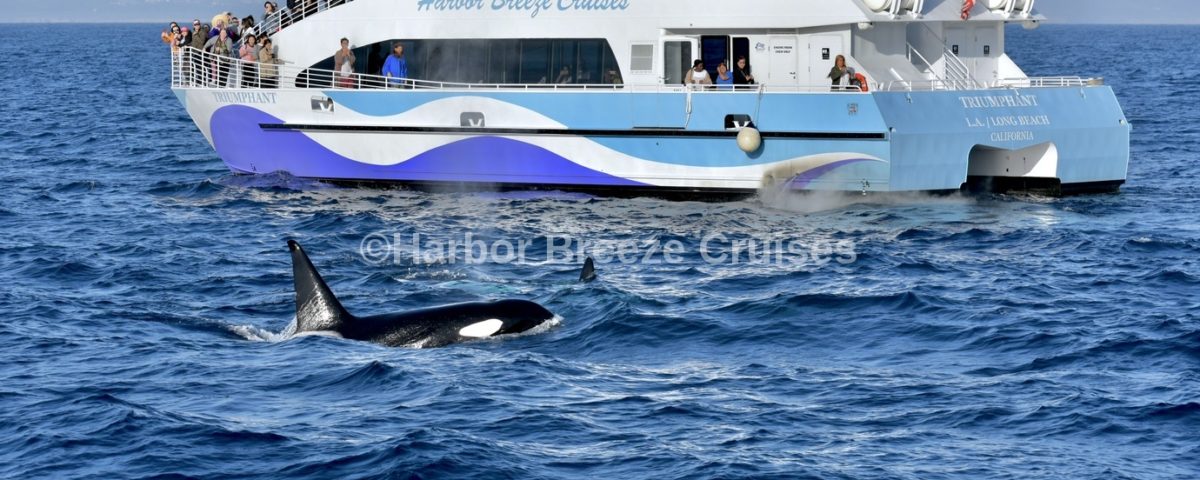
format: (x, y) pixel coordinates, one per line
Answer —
(862, 82)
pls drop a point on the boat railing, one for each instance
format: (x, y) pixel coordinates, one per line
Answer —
(284, 17)
(194, 68)
(954, 69)
(953, 83)
(1003, 83)
(1047, 82)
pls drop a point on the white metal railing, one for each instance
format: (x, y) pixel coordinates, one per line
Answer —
(956, 69)
(1011, 8)
(1003, 83)
(192, 68)
(956, 75)
(284, 17)
(1047, 82)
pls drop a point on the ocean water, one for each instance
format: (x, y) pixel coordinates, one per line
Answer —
(144, 290)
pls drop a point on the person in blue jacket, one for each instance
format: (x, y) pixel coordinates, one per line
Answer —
(396, 67)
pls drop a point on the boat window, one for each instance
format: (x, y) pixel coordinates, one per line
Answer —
(504, 62)
(497, 61)
(590, 66)
(535, 61)
(643, 57)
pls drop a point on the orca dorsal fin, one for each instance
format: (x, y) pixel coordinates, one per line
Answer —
(589, 271)
(317, 309)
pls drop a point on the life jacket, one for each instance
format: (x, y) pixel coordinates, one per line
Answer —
(862, 82)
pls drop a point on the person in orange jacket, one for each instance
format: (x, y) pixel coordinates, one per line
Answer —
(170, 36)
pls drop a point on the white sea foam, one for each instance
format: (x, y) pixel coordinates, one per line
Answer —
(256, 334)
(781, 198)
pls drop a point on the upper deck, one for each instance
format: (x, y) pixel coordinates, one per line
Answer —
(790, 44)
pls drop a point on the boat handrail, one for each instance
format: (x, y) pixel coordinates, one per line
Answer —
(194, 68)
(954, 69)
(283, 17)
(1004, 83)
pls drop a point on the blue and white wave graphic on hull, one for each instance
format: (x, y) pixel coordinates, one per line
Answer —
(519, 159)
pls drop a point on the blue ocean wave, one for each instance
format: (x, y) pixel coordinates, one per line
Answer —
(148, 296)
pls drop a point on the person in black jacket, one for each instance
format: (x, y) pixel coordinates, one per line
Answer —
(741, 73)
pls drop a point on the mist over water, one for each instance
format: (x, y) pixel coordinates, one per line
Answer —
(148, 293)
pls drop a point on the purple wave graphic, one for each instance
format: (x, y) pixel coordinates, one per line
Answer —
(247, 148)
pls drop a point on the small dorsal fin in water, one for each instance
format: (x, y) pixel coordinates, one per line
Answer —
(317, 308)
(589, 271)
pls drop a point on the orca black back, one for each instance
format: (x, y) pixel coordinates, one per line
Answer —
(318, 310)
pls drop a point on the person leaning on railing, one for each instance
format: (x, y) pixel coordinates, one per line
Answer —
(343, 64)
(268, 70)
(199, 35)
(170, 35)
(221, 48)
(270, 9)
(248, 53)
(248, 27)
(741, 72)
(183, 39)
(697, 75)
(396, 67)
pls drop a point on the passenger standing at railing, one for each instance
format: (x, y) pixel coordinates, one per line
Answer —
(343, 64)
(248, 27)
(396, 67)
(169, 36)
(269, 9)
(183, 39)
(724, 78)
(285, 18)
(741, 74)
(269, 71)
(217, 25)
(199, 40)
(698, 75)
(199, 35)
(221, 47)
(249, 56)
(840, 72)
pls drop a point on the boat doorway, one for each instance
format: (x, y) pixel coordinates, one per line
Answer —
(714, 50)
(784, 61)
(668, 108)
(822, 52)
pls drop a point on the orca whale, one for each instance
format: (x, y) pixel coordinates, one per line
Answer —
(318, 311)
(589, 271)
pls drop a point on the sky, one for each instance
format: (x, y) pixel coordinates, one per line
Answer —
(155, 11)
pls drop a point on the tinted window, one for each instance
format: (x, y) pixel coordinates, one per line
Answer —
(574, 61)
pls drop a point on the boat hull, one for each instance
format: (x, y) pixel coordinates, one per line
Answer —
(671, 141)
